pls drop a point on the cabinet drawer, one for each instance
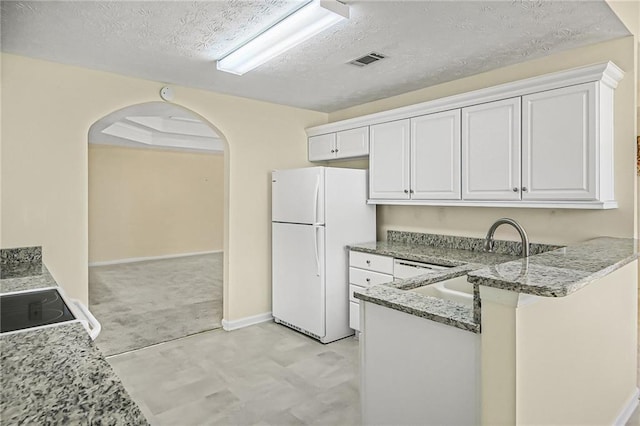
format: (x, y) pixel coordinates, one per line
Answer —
(372, 262)
(365, 278)
(354, 316)
(353, 288)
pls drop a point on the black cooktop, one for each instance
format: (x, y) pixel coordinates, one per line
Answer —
(32, 309)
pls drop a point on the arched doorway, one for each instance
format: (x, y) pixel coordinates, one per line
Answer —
(157, 221)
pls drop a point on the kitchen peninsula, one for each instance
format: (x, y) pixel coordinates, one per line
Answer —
(551, 338)
(55, 375)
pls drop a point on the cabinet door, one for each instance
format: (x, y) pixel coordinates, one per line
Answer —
(353, 143)
(491, 151)
(389, 161)
(322, 147)
(559, 144)
(435, 156)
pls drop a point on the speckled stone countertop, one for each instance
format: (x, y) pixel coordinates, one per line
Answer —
(551, 271)
(39, 278)
(20, 262)
(56, 375)
(560, 272)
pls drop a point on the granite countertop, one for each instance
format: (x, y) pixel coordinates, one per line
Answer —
(560, 272)
(551, 271)
(55, 375)
(445, 256)
(39, 278)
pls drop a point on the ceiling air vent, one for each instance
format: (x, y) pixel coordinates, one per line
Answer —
(367, 59)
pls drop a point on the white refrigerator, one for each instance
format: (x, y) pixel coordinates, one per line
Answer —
(316, 213)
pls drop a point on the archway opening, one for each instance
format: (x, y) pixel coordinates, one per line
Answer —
(157, 225)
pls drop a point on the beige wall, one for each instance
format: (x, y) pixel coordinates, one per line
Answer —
(575, 355)
(147, 202)
(543, 225)
(47, 109)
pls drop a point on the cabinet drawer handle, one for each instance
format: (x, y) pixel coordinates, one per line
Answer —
(368, 280)
(368, 262)
(524, 189)
(333, 150)
(406, 191)
(515, 189)
(411, 191)
(336, 149)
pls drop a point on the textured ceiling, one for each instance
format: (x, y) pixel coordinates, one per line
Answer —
(427, 42)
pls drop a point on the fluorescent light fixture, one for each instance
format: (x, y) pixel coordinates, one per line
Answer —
(301, 25)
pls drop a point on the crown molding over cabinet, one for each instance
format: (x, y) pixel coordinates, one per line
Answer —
(503, 155)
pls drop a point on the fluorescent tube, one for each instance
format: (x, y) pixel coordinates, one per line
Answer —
(301, 25)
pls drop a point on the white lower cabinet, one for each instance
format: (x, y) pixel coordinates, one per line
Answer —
(415, 371)
(365, 270)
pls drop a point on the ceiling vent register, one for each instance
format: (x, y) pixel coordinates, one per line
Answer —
(367, 59)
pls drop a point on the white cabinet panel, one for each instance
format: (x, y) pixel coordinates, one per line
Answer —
(322, 147)
(559, 144)
(435, 156)
(354, 316)
(417, 372)
(491, 151)
(352, 143)
(344, 144)
(365, 278)
(352, 290)
(389, 161)
(372, 262)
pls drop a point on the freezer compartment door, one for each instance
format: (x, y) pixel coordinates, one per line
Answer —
(298, 195)
(298, 276)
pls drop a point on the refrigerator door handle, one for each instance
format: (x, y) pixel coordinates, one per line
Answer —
(315, 200)
(315, 243)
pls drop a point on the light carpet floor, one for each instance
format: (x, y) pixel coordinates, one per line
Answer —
(145, 303)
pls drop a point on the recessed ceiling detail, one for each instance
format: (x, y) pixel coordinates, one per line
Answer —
(427, 42)
(156, 125)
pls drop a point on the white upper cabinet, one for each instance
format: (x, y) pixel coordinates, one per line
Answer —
(491, 151)
(389, 161)
(559, 144)
(322, 147)
(344, 144)
(435, 156)
(352, 143)
(542, 142)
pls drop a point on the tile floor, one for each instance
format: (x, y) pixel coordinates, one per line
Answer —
(145, 303)
(266, 374)
(263, 375)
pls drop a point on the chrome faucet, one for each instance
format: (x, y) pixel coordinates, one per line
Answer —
(488, 241)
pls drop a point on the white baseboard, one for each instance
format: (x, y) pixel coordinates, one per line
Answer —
(628, 409)
(142, 259)
(246, 322)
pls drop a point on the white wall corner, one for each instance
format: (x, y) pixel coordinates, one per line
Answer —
(229, 325)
